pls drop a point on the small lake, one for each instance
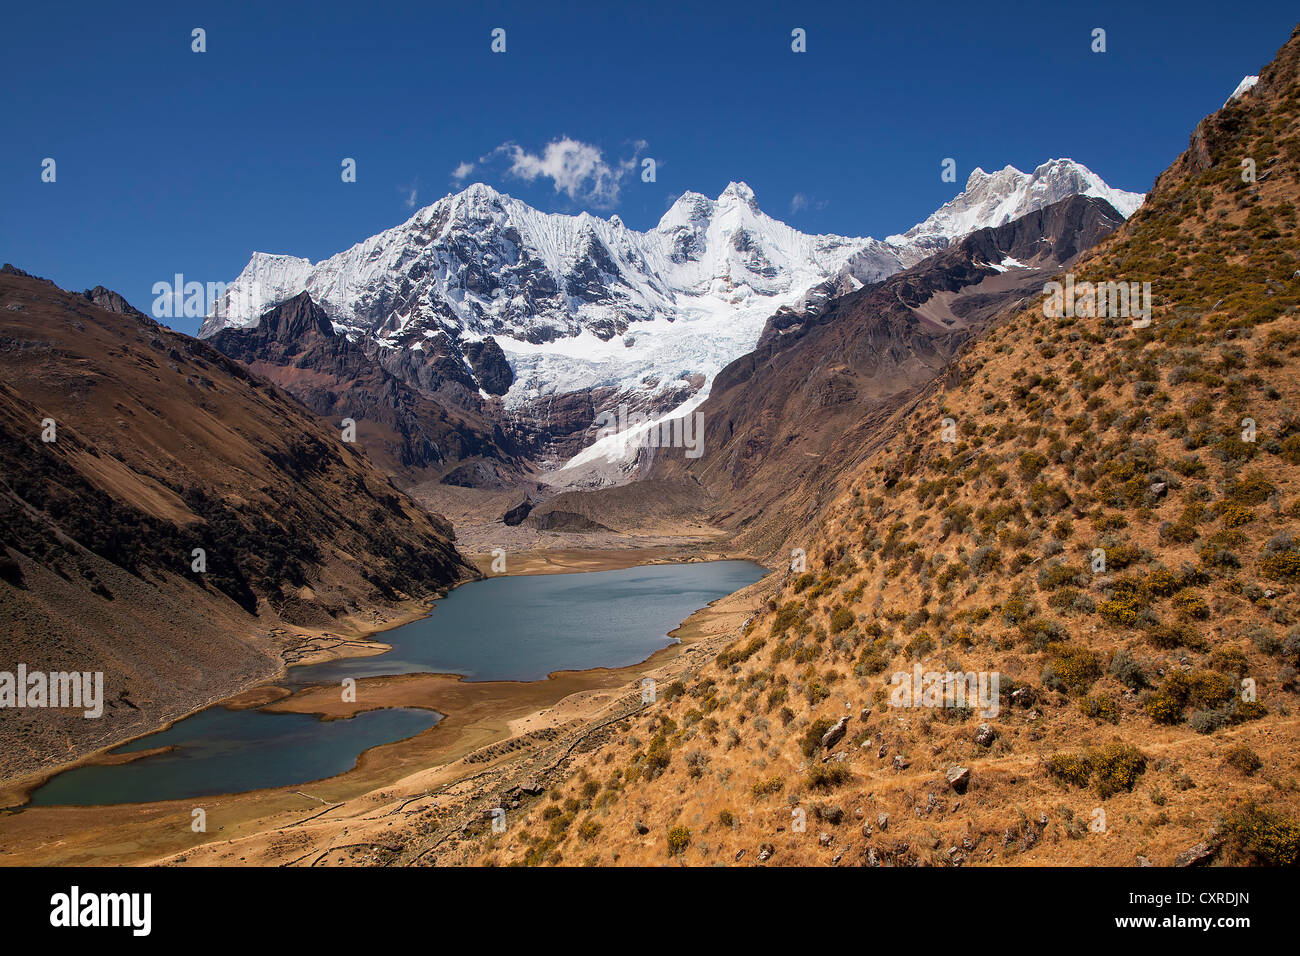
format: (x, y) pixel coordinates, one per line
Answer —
(518, 628)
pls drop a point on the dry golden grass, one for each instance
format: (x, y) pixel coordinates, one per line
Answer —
(1073, 435)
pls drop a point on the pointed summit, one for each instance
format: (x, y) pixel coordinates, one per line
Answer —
(991, 199)
(740, 191)
(686, 297)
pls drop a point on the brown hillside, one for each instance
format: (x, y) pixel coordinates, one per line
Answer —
(163, 446)
(1147, 710)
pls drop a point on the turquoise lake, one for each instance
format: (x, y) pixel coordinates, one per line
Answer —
(506, 628)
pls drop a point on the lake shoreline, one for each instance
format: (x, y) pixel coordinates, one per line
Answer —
(358, 641)
(477, 714)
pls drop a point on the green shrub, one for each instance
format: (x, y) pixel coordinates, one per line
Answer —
(828, 776)
(1263, 836)
(1071, 668)
(1111, 769)
(1120, 611)
(1192, 605)
(1282, 566)
(1242, 759)
(1115, 768)
(812, 738)
(1161, 582)
(1199, 689)
(1072, 769)
(679, 838)
(1100, 707)
(1056, 575)
(1254, 489)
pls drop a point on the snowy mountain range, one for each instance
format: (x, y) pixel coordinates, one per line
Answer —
(991, 199)
(580, 302)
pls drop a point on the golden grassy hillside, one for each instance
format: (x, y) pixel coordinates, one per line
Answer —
(1147, 708)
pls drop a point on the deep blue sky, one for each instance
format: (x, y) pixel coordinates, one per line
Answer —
(171, 161)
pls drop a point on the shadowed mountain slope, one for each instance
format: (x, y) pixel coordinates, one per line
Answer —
(162, 445)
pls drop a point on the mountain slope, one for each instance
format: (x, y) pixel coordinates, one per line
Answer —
(1102, 531)
(295, 346)
(163, 445)
(851, 357)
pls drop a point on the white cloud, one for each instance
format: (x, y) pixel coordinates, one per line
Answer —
(802, 201)
(461, 172)
(575, 168)
(412, 191)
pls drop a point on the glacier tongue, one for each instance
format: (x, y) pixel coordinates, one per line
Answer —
(579, 302)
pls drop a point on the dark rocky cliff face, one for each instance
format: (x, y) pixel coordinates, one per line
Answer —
(110, 301)
(490, 365)
(433, 427)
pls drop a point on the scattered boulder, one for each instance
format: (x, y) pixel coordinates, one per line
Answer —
(958, 777)
(1196, 855)
(882, 821)
(765, 852)
(641, 828)
(836, 733)
(985, 735)
(1023, 696)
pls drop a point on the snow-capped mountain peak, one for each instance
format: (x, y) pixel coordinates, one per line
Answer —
(739, 192)
(577, 302)
(991, 199)
(1245, 86)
